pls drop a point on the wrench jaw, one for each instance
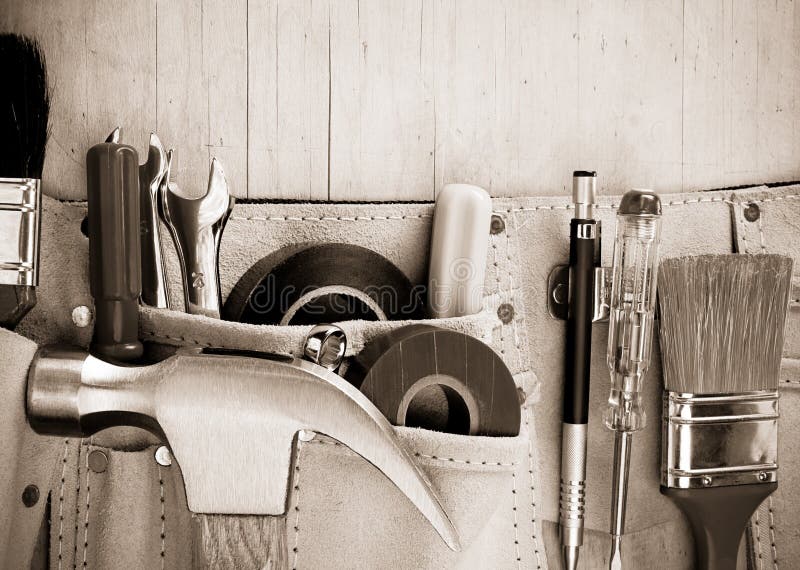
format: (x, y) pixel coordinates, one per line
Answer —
(230, 421)
(115, 136)
(196, 226)
(155, 288)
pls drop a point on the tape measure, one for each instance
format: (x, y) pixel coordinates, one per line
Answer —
(309, 284)
(411, 373)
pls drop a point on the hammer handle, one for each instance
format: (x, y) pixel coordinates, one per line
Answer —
(238, 541)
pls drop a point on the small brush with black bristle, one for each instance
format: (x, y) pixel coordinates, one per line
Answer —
(722, 334)
(24, 113)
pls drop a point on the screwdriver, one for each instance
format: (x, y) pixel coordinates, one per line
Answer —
(631, 318)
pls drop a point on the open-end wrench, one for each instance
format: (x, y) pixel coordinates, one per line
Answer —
(155, 291)
(196, 226)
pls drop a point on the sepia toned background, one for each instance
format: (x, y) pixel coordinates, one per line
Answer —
(391, 99)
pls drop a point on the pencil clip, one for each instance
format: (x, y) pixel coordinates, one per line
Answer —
(558, 293)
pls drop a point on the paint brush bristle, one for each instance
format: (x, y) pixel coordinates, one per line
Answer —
(24, 107)
(722, 322)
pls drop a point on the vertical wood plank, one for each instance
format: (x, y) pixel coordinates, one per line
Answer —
(741, 95)
(470, 41)
(382, 117)
(704, 93)
(549, 106)
(630, 93)
(61, 30)
(796, 89)
(225, 70)
(182, 103)
(301, 109)
(121, 61)
(777, 71)
(262, 93)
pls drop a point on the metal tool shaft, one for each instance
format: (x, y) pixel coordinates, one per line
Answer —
(619, 494)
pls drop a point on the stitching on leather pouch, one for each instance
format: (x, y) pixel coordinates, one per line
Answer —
(297, 506)
(77, 505)
(758, 542)
(434, 457)
(163, 518)
(772, 534)
(61, 504)
(686, 202)
(761, 234)
(327, 218)
(516, 525)
(86, 521)
(742, 225)
(518, 317)
(567, 206)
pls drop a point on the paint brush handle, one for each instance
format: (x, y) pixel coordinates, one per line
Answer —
(718, 517)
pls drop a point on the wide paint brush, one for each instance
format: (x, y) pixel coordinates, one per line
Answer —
(722, 335)
(24, 112)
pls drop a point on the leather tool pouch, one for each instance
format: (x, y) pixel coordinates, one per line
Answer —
(111, 505)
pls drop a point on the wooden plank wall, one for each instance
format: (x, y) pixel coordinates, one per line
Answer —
(391, 99)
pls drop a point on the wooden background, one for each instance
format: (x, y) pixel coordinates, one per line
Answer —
(391, 99)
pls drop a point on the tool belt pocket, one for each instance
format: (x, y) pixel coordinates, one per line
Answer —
(341, 511)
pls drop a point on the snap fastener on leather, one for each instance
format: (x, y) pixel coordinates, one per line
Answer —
(497, 226)
(752, 212)
(30, 496)
(163, 456)
(98, 461)
(505, 313)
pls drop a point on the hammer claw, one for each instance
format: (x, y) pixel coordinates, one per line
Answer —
(231, 422)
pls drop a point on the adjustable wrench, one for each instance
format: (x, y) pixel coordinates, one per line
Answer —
(196, 227)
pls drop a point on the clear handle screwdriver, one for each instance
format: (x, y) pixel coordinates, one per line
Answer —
(632, 308)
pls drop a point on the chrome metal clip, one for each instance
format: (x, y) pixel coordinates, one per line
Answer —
(20, 219)
(558, 292)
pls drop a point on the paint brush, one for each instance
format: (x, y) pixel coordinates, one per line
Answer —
(24, 112)
(722, 335)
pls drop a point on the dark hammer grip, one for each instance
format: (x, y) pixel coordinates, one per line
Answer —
(112, 177)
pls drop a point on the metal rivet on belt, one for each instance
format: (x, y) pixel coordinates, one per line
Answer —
(561, 294)
(498, 225)
(163, 456)
(306, 435)
(506, 313)
(81, 316)
(30, 496)
(752, 212)
(98, 461)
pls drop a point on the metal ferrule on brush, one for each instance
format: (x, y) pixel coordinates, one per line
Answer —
(20, 213)
(719, 440)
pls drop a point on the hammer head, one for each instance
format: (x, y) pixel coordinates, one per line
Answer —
(231, 422)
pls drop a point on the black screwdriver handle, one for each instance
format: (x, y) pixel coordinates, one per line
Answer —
(112, 178)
